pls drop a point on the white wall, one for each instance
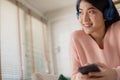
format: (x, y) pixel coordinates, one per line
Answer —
(62, 23)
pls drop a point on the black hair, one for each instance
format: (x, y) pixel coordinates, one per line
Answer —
(107, 7)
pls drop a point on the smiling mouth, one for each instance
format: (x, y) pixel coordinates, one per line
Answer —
(87, 25)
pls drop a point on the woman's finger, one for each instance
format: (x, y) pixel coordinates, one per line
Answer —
(96, 74)
(84, 77)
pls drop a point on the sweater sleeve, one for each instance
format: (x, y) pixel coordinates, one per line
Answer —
(118, 72)
(74, 57)
(117, 31)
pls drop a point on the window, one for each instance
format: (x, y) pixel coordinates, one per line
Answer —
(18, 30)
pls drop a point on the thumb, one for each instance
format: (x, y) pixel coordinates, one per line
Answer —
(95, 74)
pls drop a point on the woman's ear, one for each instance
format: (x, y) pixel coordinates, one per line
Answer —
(104, 19)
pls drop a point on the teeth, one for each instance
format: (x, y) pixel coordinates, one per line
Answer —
(87, 24)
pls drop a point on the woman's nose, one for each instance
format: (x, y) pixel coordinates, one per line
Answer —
(85, 18)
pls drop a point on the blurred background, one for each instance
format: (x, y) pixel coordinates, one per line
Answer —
(34, 37)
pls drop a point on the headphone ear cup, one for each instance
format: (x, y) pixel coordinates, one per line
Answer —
(109, 13)
(77, 14)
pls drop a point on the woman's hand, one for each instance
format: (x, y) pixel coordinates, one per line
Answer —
(105, 74)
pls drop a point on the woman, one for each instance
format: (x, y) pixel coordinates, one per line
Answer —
(98, 42)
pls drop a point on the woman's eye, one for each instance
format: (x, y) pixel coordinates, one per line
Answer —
(80, 12)
(91, 12)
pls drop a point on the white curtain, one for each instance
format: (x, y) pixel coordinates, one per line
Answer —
(10, 20)
(9, 42)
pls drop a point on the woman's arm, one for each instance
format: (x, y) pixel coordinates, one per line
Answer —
(74, 57)
(118, 72)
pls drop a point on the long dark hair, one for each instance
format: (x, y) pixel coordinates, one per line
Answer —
(107, 7)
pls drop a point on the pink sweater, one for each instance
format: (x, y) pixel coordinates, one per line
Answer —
(84, 50)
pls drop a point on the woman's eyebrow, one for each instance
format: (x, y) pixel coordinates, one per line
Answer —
(91, 8)
(88, 8)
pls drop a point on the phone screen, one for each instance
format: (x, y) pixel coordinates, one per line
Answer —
(89, 68)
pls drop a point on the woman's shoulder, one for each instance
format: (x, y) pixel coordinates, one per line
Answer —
(115, 28)
(116, 25)
(78, 33)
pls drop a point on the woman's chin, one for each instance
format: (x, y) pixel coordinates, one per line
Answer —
(87, 32)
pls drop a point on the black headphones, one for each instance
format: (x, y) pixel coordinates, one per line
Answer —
(109, 12)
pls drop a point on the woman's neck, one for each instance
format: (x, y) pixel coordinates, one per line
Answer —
(99, 36)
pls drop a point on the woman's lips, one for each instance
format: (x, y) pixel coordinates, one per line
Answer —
(87, 26)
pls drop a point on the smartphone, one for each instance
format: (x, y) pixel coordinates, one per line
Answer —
(89, 68)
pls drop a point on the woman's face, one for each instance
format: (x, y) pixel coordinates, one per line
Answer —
(90, 18)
